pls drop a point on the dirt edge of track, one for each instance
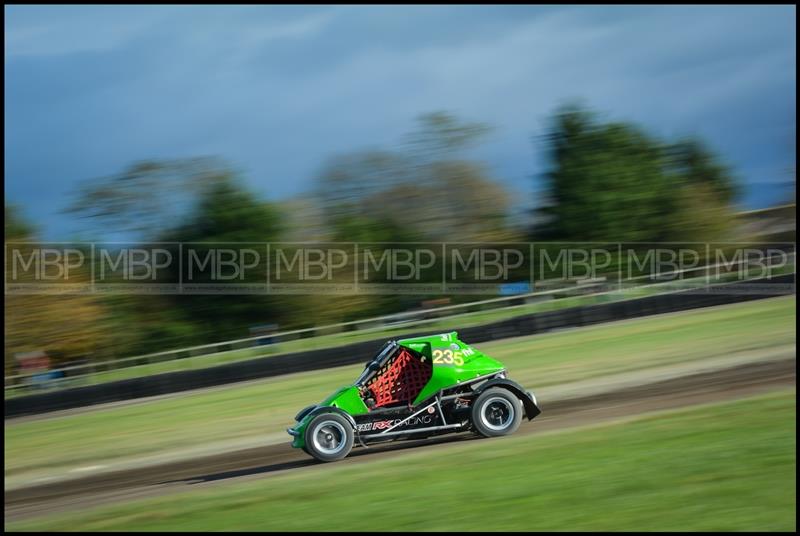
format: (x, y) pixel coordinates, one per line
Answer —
(696, 388)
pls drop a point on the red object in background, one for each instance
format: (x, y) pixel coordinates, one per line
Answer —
(29, 362)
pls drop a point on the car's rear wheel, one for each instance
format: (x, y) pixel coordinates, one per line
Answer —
(329, 437)
(496, 412)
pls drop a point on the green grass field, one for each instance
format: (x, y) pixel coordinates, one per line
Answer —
(726, 467)
(43, 447)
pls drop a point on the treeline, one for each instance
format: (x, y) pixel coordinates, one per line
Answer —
(605, 181)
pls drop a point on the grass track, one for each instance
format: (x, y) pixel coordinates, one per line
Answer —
(725, 467)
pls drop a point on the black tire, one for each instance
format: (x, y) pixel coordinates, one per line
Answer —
(496, 412)
(329, 437)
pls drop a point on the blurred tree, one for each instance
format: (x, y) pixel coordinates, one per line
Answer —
(702, 215)
(368, 227)
(226, 215)
(144, 198)
(17, 228)
(346, 181)
(694, 164)
(303, 219)
(440, 135)
(179, 201)
(612, 182)
(226, 211)
(428, 191)
(66, 326)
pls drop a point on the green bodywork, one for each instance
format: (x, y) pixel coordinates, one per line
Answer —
(454, 361)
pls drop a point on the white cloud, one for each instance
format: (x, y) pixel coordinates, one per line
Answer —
(72, 29)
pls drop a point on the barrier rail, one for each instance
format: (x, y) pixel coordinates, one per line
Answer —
(529, 324)
(374, 324)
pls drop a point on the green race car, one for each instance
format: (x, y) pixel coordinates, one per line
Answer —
(415, 388)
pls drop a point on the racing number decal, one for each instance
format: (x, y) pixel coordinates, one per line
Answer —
(448, 357)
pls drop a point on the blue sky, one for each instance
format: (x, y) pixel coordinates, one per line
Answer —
(277, 90)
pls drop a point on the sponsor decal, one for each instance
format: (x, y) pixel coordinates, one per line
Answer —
(386, 424)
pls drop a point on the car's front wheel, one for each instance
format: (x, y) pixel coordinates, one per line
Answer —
(496, 412)
(329, 437)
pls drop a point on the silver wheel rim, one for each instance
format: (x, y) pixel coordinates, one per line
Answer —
(329, 437)
(497, 413)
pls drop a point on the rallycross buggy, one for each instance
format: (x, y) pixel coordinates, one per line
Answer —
(415, 388)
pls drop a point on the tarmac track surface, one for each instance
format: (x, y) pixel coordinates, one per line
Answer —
(704, 387)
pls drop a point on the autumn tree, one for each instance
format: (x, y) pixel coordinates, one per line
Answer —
(427, 190)
(67, 326)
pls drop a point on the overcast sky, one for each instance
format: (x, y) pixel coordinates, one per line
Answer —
(277, 90)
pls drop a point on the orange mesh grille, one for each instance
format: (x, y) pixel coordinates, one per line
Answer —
(400, 381)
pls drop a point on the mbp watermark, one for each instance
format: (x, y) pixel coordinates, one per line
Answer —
(574, 263)
(485, 268)
(44, 268)
(134, 268)
(222, 268)
(424, 268)
(396, 268)
(663, 262)
(320, 268)
(741, 262)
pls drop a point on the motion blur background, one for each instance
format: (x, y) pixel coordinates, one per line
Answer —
(401, 124)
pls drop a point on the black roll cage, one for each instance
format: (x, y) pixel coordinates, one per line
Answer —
(375, 364)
